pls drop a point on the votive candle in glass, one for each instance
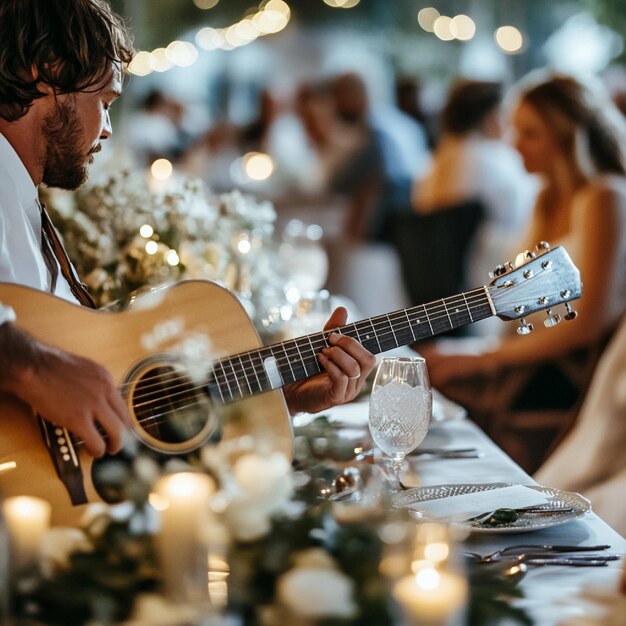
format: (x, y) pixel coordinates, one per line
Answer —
(183, 501)
(27, 519)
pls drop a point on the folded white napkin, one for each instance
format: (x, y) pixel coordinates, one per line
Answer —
(459, 508)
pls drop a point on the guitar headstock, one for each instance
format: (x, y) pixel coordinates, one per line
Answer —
(539, 280)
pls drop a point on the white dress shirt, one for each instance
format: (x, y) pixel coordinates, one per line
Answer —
(21, 259)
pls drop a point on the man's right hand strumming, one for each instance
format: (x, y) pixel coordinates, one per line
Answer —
(68, 390)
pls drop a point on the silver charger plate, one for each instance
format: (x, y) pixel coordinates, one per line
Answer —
(564, 500)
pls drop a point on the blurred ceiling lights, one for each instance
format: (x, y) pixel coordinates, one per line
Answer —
(463, 28)
(205, 4)
(510, 39)
(342, 4)
(271, 17)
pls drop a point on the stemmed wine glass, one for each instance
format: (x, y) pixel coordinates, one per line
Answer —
(400, 409)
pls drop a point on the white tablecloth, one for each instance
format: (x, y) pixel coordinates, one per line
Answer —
(552, 594)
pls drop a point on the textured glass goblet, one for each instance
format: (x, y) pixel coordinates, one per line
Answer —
(400, 409)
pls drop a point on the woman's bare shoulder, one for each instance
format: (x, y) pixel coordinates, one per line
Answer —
(605, 190)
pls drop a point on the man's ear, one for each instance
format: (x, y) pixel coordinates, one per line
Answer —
(42, 86)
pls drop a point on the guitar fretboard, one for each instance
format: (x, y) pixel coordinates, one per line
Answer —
(250, 373)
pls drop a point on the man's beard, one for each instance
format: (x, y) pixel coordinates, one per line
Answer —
(65, 166)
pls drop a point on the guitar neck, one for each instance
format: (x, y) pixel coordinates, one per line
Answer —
(276, 365)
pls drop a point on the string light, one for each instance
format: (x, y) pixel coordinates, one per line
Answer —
(462, 27)
(161, 169)
(442, 28)
(271, 17)
(172, 258)
(342, 4)
(146, 231)
(257, 166)
(205, 4)
(510, 39)
(426, 18)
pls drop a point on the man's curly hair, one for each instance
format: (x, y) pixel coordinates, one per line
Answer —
(66, 44)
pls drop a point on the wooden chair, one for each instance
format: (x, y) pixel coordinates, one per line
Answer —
(527, 410)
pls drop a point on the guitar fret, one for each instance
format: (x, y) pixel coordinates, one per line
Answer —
(256, 371)
(230, 362)
(443, 301)
(395, 339)
(286, 358)
(469, 312)
(214, 384)
(428, 319)
(408, 319)
(245, 374)
(230, 391)
(316, 365)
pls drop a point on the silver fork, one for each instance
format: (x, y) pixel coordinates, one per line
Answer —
(538, 551)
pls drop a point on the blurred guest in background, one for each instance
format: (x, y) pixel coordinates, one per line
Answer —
(157, 129)
(370, 156)
(409, 99)
(389, 148)
(473, 164)
(571, 134)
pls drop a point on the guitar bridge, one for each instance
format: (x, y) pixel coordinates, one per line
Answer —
(65, 459)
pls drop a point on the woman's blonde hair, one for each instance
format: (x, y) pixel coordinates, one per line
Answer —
(586, 122)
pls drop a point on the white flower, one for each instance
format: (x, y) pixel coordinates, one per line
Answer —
(156, 610)
(56, 546)
(317, 592)
(262, 486)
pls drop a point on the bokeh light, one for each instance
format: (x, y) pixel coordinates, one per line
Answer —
(161, 169)
(463, 27)
(205, 4)
(258, 166)
(426, 18)
(442, 28)
(510, 39)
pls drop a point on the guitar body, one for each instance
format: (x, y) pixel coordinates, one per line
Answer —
(196, 312)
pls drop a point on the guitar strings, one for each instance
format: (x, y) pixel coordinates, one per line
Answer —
(291, 352)
(313, 344)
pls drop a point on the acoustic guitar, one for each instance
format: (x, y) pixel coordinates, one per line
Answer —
(155, 349)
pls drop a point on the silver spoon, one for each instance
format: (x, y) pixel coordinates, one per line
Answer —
(346, 484)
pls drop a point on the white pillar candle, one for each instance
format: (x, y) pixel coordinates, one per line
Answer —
(183, 501)
(27, 520)
(432, 597)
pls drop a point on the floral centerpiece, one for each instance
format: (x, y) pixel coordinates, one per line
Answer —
(123, 235)
(279, 550)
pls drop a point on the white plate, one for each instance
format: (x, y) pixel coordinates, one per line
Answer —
(525, 522)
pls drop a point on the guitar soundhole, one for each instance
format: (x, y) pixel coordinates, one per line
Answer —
(169, 408)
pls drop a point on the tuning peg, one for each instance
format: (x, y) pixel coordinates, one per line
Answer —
(571, 314)
(552, 320)
(542, 246)
(498, 271)
(524, 328)
(523, 257)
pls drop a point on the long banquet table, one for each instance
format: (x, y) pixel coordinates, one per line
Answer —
(553, 594)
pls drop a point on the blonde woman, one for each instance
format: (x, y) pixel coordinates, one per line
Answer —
(570, 134)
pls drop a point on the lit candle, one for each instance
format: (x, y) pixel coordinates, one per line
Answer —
(431, 597)
(183, 502)
(27, 520)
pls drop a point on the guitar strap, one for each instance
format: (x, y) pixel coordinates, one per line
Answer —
(50, 238)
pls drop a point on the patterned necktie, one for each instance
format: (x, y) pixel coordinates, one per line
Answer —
(53, 252)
